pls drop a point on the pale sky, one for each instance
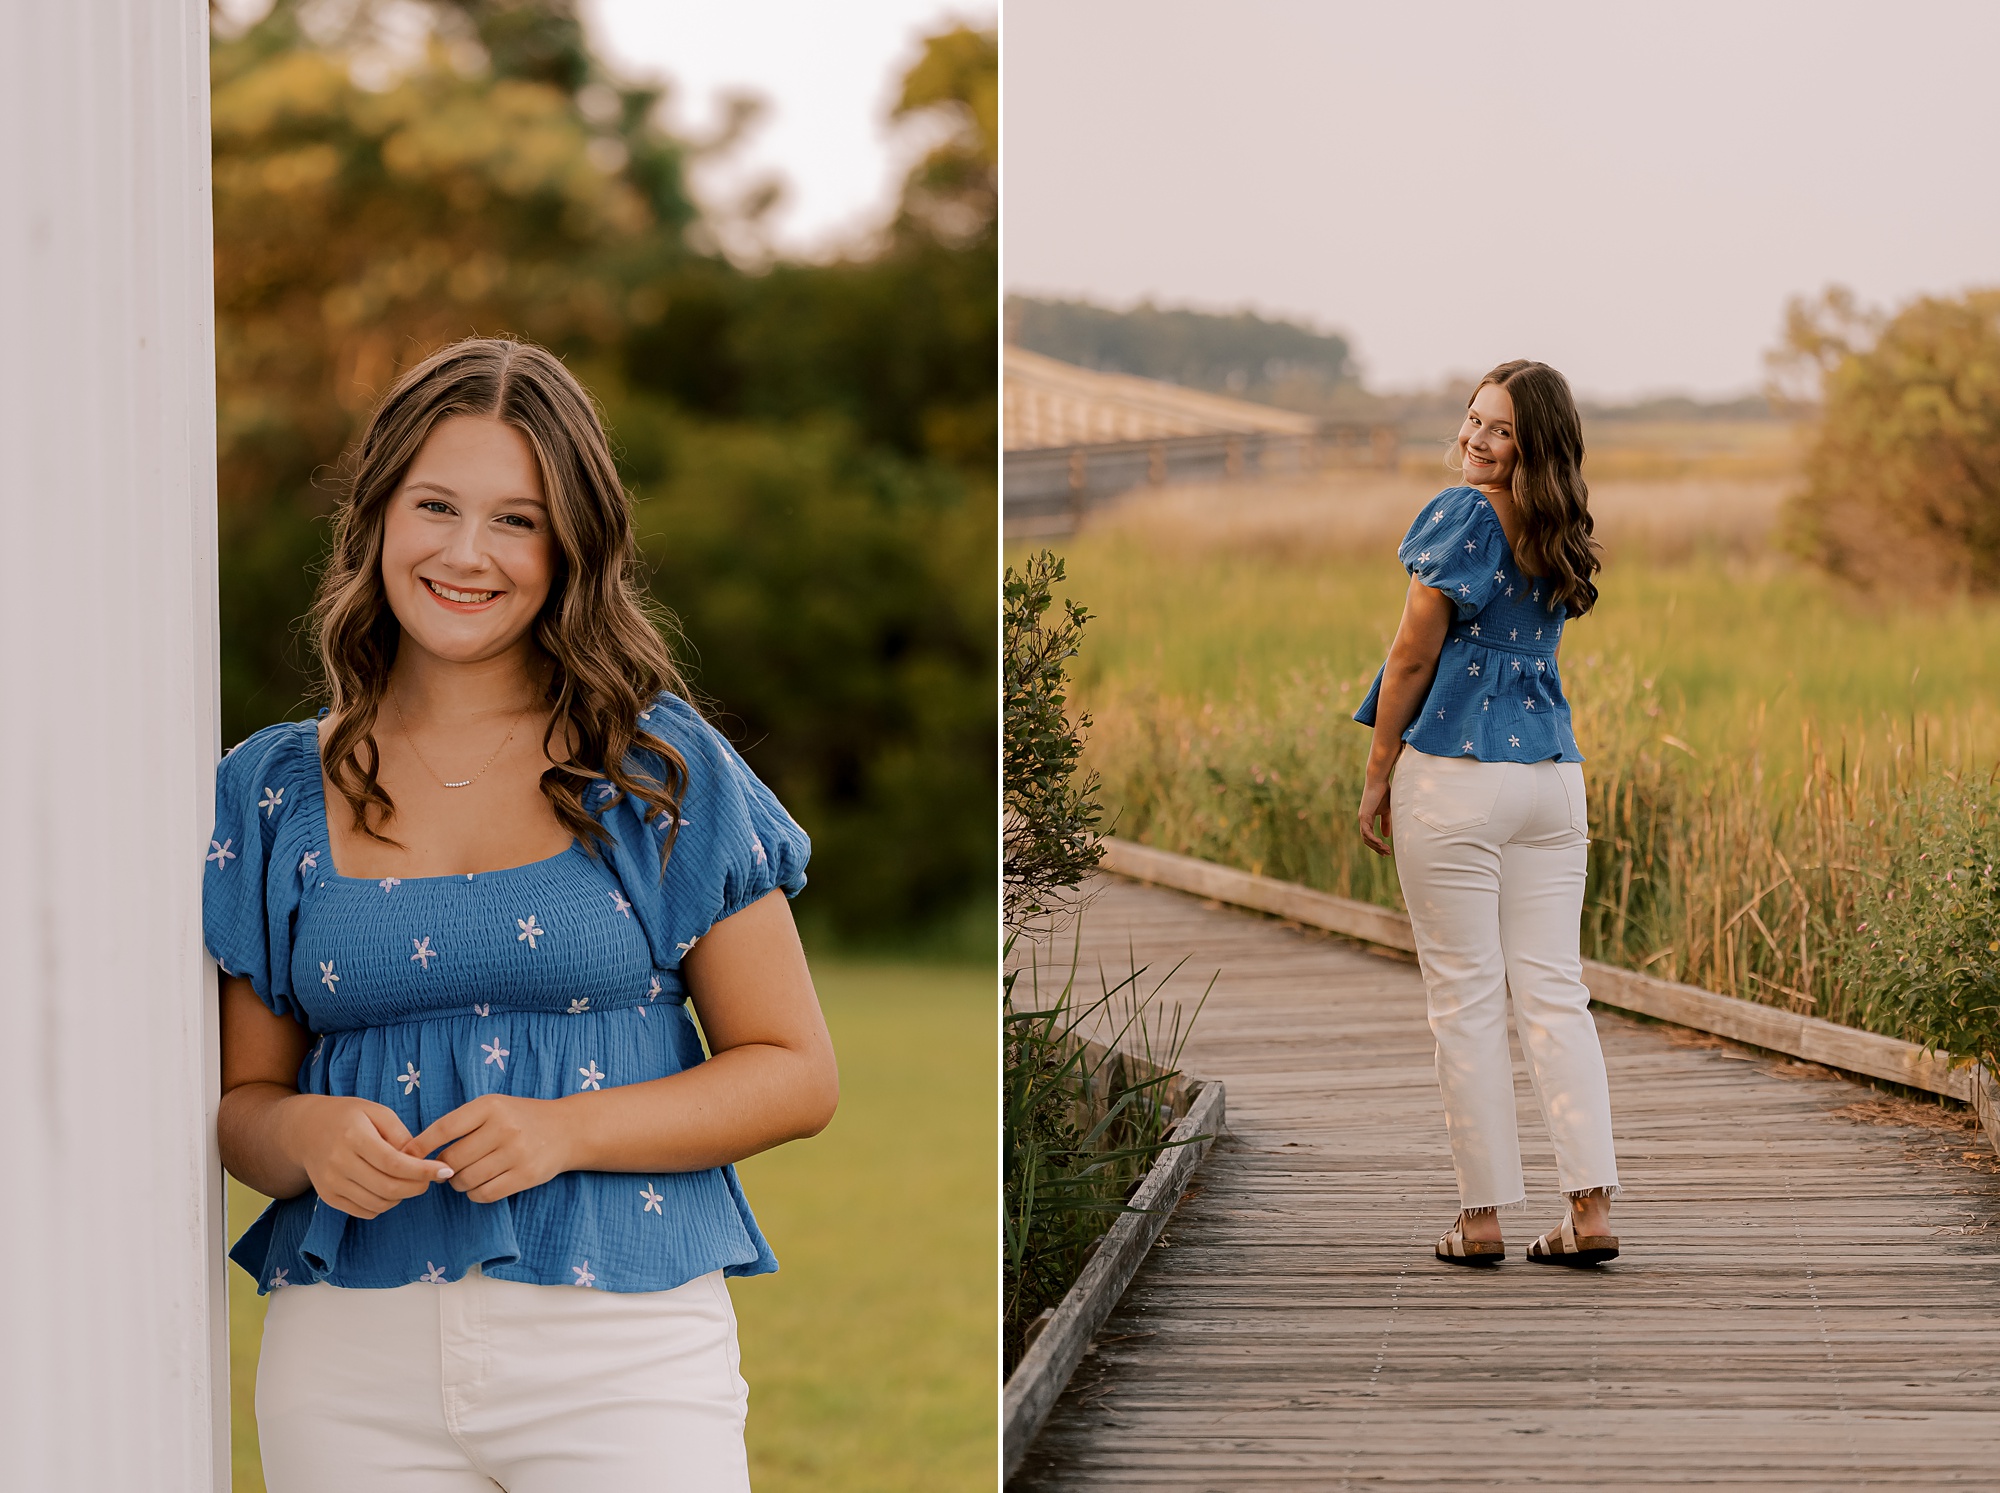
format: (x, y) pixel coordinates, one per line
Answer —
(1628, 192)
(830, 74)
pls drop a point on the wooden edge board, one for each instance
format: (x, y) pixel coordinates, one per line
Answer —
(1041, 1376)
(1811, 1038)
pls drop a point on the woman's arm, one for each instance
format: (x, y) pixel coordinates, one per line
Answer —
(772, 1079)
(1406, 680)
(281, 1142)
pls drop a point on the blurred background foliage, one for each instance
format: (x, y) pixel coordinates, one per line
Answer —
(811, 445)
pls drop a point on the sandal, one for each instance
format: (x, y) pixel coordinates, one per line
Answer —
(1564, 1246)
(1455, 1249)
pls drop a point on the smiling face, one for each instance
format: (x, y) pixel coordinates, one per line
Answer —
(1486, 449)
(468, 553)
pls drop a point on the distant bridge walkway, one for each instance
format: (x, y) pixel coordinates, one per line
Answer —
(1809, 1297)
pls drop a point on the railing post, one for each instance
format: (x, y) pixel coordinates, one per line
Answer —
(113, 1348)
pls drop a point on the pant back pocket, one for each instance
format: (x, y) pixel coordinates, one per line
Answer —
(1449, 793)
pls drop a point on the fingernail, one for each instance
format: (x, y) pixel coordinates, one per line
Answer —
(444, 1174)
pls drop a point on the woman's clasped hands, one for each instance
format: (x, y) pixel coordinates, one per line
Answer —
(362, 1159)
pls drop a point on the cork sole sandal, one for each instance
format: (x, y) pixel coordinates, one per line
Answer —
(1455, 1249)
(1565, 1246)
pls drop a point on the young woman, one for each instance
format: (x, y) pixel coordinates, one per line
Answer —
(460, 919)
(1488, 816)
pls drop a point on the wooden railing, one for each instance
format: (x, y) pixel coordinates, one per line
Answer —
(1048, 490)
(1776, 1030)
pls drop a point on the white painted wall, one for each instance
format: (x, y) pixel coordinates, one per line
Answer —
(113, 1368)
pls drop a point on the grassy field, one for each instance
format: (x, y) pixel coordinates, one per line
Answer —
(872, 1354)
(1761, 741)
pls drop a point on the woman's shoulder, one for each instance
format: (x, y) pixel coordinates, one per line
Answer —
(274, 758)
(1457, 519)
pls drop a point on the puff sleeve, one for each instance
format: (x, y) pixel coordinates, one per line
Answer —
(735, 844)
(250, 894)
(1456, 546)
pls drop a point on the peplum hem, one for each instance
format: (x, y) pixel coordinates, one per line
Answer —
(624, 1231)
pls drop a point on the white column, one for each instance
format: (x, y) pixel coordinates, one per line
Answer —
(113, 1361)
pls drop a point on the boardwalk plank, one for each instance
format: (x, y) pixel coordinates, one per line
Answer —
(1805, 1301)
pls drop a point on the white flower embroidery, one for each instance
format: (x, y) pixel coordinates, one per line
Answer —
(583, 1275)
(1538, 593)
(433, 1276)
(619, 904)
(318, 1048)
(220, 853)
(306, 864)
(425, 953)
(1468, 746)
(1440, 715)
(605, 791)
(1470, 546)
(1517, 666)
(592, 1079)
(486, 1010)
(653, 992)
(389, 884)
(278, 1280)
(1538, 635)
(1499, 578)
(1475, 629)
(1485, 704)
(1510, 591)
(757, 845)
(495, 1054)
(640, 1009)
(579, 1007)
(530, 930)
(1438, 515)
(1530, 704)
(653, 1200)
(408, 1078)
(1513, 741)
(682, 948)
(326, 975)
(1514, 634)
(1472, 670)
(1424, 558)
(272, 801)
(1541, 666)
(1464, 590)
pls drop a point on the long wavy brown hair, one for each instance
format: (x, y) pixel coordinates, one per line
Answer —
(1549, 491)
(601, 637)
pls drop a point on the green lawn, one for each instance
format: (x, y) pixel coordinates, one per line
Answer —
(873, 1354)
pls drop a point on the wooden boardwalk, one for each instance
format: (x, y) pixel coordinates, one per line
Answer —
(1809, 1297)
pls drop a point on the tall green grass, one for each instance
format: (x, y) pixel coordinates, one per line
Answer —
(873, 1353)
(1766, 753)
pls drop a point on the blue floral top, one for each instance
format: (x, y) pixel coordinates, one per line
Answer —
(1497, 695)
(540, 980)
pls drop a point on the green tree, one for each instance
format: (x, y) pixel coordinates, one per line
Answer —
(1902, 478)
(810, 446)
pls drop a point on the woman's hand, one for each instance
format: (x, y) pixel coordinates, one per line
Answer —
(1374, 815)
(498, 1145)
(352, 1149)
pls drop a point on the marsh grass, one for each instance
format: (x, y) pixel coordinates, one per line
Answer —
(1092, 1088)
(1769, 756)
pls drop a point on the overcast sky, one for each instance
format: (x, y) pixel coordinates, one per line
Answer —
(1628, 192)
(830, 74)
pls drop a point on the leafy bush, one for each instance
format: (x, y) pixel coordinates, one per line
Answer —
(1926, 946)
(1088, 1085)
(1903, 476)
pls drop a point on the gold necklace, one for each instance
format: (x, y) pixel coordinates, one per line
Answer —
(405, 726)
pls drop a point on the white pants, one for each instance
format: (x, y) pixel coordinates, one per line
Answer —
(478, 1383)
(1491, 856)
